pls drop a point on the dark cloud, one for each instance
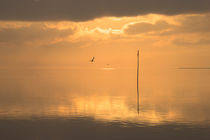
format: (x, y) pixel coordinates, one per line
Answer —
(182, 42)
(187, 25)
(81, 10)
(193, 24)
(190, 24)
(143, 27)
(34, 32)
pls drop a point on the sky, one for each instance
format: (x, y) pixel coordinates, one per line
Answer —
(68, 33)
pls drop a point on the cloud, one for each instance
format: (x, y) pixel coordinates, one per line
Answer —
(82, 10)
(34, 32)
(190, 24)
(155, 30)
(182, 42)
(144, 27)
(195, 23)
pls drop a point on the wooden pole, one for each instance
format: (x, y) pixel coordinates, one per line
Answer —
(138, 81)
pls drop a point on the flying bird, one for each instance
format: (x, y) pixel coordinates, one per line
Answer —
(92, 60)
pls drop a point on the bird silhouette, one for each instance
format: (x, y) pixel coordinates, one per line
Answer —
(92, 60)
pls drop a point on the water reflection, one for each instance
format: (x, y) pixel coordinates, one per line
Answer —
(166, 98)
(109, 108)
(101, 108)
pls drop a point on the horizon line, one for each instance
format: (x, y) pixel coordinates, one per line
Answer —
(194, 68)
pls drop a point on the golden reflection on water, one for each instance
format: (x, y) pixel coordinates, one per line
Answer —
(101, 108)
(114, 108)
(177, 97)
(106, 108)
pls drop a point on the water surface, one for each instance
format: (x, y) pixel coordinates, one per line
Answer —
(100, 103)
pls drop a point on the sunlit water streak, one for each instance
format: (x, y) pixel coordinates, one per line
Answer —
(108, 68)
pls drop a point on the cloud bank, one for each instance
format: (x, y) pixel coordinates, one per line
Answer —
(144, 27)
(82, 10)
(34, 32)
(188, 24)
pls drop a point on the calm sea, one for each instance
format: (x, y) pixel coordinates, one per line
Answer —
(101, 104)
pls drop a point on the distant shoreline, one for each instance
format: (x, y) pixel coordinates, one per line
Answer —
(194, 68)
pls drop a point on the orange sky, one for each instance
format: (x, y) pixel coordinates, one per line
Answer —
(179, 40)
